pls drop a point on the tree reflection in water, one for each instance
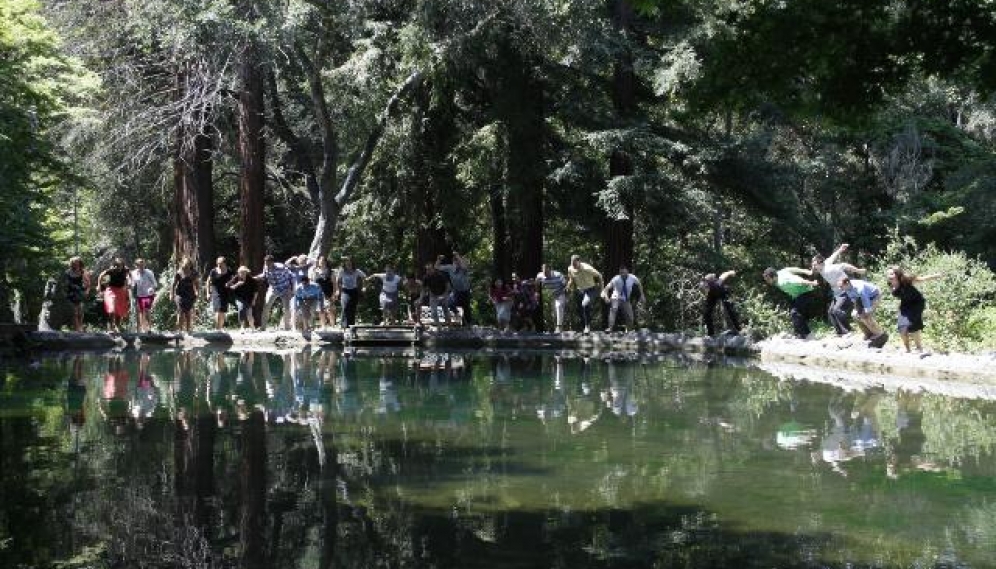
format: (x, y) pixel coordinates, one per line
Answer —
(329, 459)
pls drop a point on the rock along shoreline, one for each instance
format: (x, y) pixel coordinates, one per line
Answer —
(805, 359)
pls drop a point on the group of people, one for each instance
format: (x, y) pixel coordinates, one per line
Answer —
(114, 284)
(308, 289)
(853, 299)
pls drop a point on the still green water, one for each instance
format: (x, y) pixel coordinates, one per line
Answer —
(325, 459)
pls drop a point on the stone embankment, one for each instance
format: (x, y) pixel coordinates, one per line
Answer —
(821, 360)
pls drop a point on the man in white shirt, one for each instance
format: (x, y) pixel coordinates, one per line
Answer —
(554, 282)
(832, 271)
(622, 292)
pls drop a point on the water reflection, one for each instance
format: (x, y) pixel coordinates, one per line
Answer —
(321, 459)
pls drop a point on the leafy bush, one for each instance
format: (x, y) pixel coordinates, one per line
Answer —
(959, 314)
(761, 317)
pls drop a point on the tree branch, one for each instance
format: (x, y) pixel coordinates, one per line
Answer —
(359, 165)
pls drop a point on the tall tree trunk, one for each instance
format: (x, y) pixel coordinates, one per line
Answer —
(252, 153)
(499, 228)
(432, 174)
(204, 172)
(186, 207)
(519, 104)
(618, 235)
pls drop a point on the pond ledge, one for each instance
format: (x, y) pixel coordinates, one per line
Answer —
(851, 355)
(829, 353)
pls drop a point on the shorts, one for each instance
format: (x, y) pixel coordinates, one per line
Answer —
(388, 300)
(145, 303)
(219, 303)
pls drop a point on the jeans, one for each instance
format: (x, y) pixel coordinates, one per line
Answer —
(731, 315)
(799, 312)
(586, 298)
(461, 299)
(272, 297)
(840, 313)
(349, 298)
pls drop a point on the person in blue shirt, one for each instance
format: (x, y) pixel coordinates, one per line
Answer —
(308, 301)
(866, 297)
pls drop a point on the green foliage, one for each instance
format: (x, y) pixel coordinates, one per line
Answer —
(960, 313)
(37, 87)
(763, 318)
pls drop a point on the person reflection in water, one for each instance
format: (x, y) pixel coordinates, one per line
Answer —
(556, 405)
(114, 403)
(618, 397)
(388, 401)
(76, 395)
(845, 442)
(145, 399)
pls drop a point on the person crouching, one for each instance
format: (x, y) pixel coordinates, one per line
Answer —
(866, 297)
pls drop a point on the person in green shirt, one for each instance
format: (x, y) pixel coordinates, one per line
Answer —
(790, 281)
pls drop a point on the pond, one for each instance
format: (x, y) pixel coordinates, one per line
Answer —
(393, 459)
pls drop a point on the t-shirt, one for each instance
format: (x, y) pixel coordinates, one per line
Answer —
(832, 273)
(459, 277)
(716, 291)
(351, 279)
(863, 290)
(585, 276)
(279, 277)
(555, 282)
(299, 270)
(145, 282)
(219, 279)
(243, 291)
(436, 282)
(792, 284)
(622, 287)
(117, 277)
(501, 293)
(390, 284)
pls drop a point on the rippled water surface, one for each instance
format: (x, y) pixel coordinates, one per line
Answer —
(325, 459)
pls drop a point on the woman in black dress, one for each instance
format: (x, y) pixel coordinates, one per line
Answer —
(911, 304)
(77, 287)
(184, 293)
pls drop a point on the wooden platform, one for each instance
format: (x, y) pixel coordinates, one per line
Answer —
(365, 335)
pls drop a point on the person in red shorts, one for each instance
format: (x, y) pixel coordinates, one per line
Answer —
(116, 301)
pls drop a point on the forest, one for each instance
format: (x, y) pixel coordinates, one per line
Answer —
(677, 137)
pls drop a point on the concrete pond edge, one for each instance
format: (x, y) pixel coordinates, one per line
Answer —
(829, 360)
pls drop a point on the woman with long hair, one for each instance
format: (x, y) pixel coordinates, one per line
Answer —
(77, 288)
(911, 304)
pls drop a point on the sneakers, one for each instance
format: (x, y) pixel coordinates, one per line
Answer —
(878, 341)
